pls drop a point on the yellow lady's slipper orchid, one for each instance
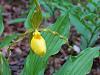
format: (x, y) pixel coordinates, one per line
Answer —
(38, 44)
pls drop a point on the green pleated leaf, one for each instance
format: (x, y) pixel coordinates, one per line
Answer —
(17, 20)
(0, 64)
(7, 40)
(93, 40)
(82, 29)
(81, 64)
(34, 64)
(4, 66)
(1, 21)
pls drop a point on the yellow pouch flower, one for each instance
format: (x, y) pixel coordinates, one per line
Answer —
(38, 44)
